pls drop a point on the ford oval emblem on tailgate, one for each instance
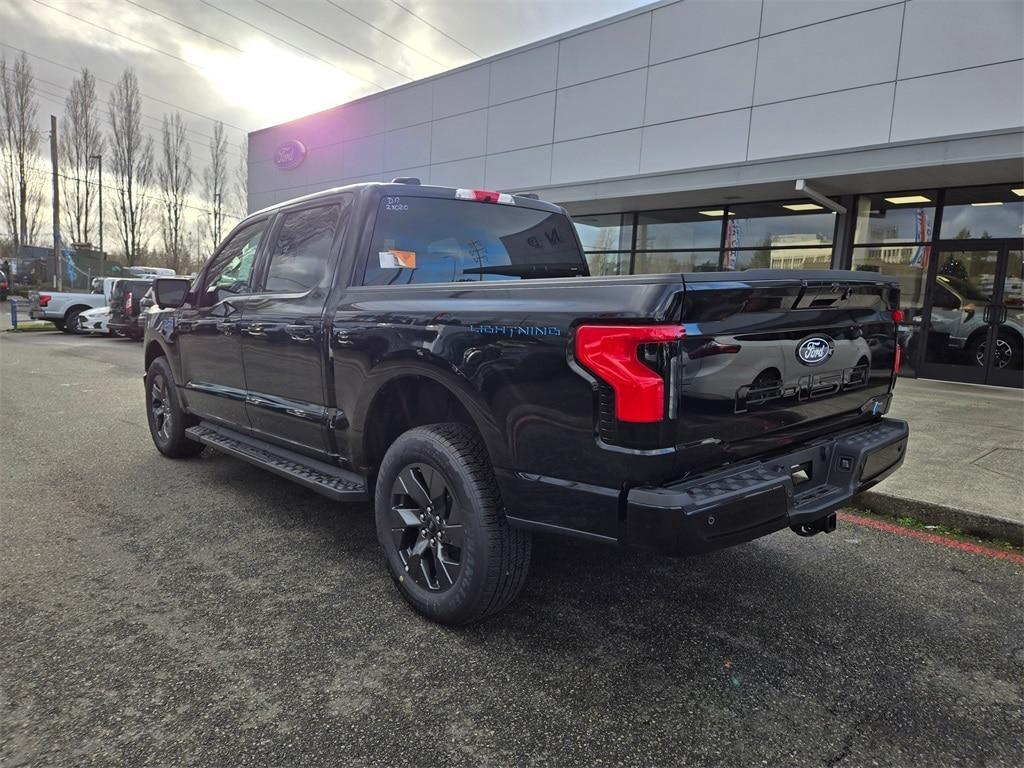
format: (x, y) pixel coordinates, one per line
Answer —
(815, 350)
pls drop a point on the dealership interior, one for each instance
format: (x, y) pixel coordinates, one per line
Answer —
(958, 254)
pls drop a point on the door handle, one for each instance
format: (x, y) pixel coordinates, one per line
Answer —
(227, 327)
(184, 326)
(255, 329)
(300, 332)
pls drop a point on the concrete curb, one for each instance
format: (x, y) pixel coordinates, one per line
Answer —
(936, 514)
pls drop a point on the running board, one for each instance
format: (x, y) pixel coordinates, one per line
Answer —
(333, 482)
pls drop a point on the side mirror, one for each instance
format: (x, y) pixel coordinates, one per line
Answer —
(170, 292)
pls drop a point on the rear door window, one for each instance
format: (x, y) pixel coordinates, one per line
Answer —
(435, 240)
(302, 254)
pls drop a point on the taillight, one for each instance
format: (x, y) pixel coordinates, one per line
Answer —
(898, 316)
(44, 299)
(128, 303)
(611, 352)
(484, 196)
(897, 362)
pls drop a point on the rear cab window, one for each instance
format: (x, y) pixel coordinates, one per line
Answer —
(439, 240)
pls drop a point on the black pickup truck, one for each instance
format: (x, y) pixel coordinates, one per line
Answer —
(446, 354)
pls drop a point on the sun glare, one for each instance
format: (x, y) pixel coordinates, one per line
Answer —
(273, 85)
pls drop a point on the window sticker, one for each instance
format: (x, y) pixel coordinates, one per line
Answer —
(394, 259)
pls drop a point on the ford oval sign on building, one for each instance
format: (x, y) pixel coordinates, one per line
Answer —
(815, 350)
(290, 155)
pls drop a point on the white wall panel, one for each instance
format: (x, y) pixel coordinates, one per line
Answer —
(407, 147)
(521, 169)
(833, 121)
(524, 74)
(780, 15)
(361, 157)
(462, 92)
(604, 51)
(364, 118)
(693, 26)
(522, 123)
(943, 35)
(614, 154)
(409, 106)
(459, 136)
(698, 85)
(979, 99)
(461, 173)
(700, 141)
(844, 53)
(605, 105)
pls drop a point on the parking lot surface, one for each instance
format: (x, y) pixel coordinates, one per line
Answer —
(203, 612)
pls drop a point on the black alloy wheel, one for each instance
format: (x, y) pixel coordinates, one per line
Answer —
(160, 407)
(426, 526)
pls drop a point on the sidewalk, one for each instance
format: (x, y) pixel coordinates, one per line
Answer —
(965, 461)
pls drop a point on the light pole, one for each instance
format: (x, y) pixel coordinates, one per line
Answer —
(103, 255)
(216, 219)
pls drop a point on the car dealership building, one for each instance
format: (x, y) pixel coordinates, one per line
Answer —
(704, 135)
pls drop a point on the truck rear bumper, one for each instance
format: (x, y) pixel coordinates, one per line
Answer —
(752, 499)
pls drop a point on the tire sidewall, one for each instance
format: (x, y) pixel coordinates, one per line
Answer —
(176, 443)
(458, 603)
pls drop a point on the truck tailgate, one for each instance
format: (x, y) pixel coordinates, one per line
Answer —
(768, 358)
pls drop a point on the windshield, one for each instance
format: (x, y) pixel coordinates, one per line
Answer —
(436, 240)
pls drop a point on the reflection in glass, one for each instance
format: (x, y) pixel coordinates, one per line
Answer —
(605, 232)
(983, 212)
(601, 263)
(908, 219)
(772, 225)
(961, 295)
(679, 229)
(679, 261)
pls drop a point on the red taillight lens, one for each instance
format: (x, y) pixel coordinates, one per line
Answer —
(898, 316)
(128, 303)
(897, 362)
(44, 299)
(610, 352)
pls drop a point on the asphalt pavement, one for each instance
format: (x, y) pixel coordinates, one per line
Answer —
(202, 612)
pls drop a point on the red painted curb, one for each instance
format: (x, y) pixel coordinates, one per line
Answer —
(932, 538)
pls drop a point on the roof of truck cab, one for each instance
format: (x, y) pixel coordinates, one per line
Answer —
(409, 190)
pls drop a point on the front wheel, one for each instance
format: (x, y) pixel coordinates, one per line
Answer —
(167, 419)
(440, 520)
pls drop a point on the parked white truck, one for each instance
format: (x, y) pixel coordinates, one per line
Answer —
(63, 309)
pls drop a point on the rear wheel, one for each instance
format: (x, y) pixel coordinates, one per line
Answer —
(441, 523)
(70, 324)
(167, 419)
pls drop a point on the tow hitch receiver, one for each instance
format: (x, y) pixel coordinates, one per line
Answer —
(824, 525)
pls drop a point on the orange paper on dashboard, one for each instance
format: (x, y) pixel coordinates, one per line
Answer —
(393, 259)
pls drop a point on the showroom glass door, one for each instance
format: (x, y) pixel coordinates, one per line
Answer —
(971, 328)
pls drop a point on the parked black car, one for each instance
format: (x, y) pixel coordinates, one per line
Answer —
(5, 286)
(446, 354)
(126, 305)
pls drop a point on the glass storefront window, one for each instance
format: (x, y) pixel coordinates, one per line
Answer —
(605, 232)
(680, 261)
(773, 225)
(780, 258)
(907, 263)
(895, 217)
(983, 212)
(681, 229)
(605, 263)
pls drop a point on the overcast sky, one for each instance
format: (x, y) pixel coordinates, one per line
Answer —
(254, 63)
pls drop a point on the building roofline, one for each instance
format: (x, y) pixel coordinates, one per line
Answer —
(647, 8)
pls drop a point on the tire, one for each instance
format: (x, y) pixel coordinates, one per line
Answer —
(452, 554)
(1007, 352)
(167, 420)
(58, 324)
(70, 324)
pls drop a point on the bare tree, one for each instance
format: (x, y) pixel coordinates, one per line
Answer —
(19, 140)
(81, 140)
(215, 181)
(174, 177)
(242, 180)
(132, 160)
